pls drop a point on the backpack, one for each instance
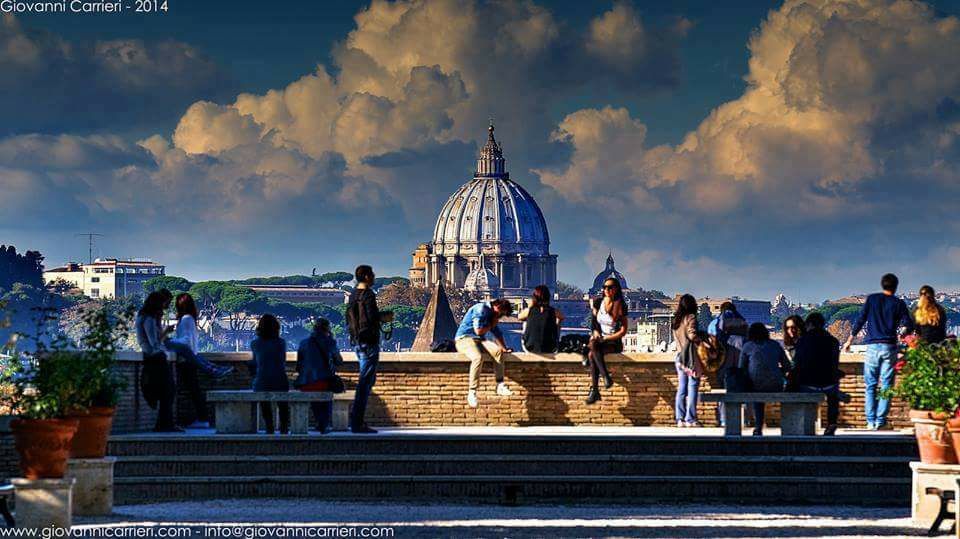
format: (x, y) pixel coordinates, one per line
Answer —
(357, 321)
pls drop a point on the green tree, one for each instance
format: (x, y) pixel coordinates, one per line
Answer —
(568, 291)
(176, 285)
(26, 268)
(335, 279)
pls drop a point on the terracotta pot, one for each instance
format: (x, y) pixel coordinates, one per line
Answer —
(953, 425)
(43, 445)
(90, 442)
(933, 438)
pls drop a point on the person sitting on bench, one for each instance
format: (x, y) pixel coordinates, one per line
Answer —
(766, 365)
(269, 366)
(317, 362)
(816, 367)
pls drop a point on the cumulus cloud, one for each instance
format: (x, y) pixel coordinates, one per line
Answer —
(49, 84)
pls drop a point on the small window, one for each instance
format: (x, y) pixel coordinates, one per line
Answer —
(94, 292)
(94, 279)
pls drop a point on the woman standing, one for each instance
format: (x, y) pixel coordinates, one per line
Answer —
(766, 365)
(688, 364)
(609, 325)
(930, 317)
(157, 384)
(541, 332)
(270, 369)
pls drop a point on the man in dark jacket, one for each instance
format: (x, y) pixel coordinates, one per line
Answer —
(363, 321)
(883, 313)
(816, 367)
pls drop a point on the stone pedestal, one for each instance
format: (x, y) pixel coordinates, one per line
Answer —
(341, 411)
(93, 490)
(42, 503)
(924, 508)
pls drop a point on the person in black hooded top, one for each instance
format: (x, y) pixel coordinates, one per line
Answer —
(541, 332)
(816, 367)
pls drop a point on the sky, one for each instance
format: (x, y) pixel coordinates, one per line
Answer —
(718, 148)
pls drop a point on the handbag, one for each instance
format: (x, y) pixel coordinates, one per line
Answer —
(336, 384)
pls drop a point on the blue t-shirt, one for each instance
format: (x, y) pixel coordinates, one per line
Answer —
(480, 315)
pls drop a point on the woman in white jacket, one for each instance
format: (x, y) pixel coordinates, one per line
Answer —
(185, 343)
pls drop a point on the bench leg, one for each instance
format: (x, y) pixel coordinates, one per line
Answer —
(798, 419)
(299, 417)
(941, 515)
(5, 510)
(234, 417)
(341, 415)
(734, 419)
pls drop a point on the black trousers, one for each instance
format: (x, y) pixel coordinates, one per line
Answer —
(160, 387)
(323, 412)
(267, 413)
(188, 377)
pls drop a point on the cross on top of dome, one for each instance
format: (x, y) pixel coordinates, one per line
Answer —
(491, 150)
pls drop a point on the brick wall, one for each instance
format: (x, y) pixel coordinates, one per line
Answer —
(430, 390)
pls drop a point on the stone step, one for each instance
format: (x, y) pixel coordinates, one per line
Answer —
(484, 464)
(422, 444)
(524, 488)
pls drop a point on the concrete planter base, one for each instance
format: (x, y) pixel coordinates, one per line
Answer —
(93, 492)
(42, 503)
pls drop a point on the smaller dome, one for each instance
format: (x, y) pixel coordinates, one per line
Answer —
(609, 272)
(481, 279)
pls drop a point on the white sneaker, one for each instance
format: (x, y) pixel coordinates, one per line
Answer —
(472, 399)
(503, 390)
(681, 424)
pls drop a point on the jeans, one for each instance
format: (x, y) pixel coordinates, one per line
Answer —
(368, 355)
(182, 350)
(878, 366)
(688, 389)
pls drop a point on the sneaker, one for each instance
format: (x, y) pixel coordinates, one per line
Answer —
(503, 390)
(757, 432)
(223, 372)
(830, 430)
(681, 424)
(873, 426)
(472, 399)
(199, 425)
(844, 397)
(694, 424)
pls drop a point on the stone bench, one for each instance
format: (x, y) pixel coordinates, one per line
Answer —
(798, 411)
(6, 495)
(235, 410)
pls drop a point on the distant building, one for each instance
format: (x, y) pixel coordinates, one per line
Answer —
(490, 236)
(847, 300)
(106, 277)
(752, 310)
(649, 336)
(301, 293)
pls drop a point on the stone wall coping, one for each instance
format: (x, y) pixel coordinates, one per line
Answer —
(454, 357)
(950, 469)
(247, 395)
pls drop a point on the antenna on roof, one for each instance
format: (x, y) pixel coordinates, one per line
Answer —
(90, 236)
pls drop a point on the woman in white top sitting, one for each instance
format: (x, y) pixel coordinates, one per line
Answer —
(185, 343)
(609, 325)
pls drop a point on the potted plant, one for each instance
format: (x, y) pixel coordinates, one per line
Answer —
(929, 381)
(40, 388)
(103, 330)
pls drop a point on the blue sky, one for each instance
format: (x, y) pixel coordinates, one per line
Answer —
(722, 148)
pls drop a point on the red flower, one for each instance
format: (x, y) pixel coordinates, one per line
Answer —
(898, 366)
(911, 341)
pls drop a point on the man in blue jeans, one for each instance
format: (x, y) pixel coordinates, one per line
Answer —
(363, 321)
(883, 313)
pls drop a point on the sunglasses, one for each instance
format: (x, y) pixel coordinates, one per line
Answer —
(609, 287)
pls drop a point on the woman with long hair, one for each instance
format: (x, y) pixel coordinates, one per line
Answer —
(269, 367)
(793, 329)
(185, 342)
(930, 317)
(689, 367)
(541, 331)
(608, 326)
(766, 366)
(156, 381)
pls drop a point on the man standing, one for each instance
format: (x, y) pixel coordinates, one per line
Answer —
(363, 320)
(471, 341)
(883, 313)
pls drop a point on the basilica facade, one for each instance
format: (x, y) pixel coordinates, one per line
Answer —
(490, 236)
